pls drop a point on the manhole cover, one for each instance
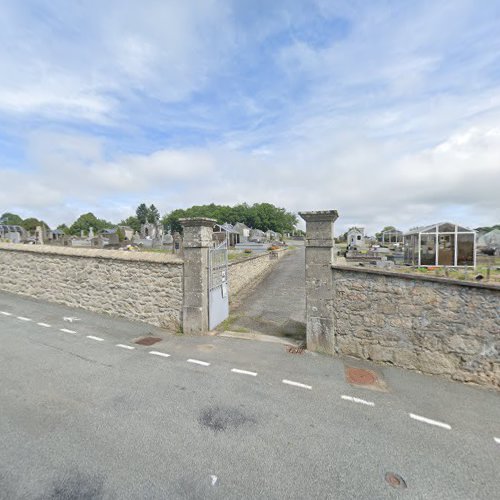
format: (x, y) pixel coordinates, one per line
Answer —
(395, 480)
(148, 340)
(360, 376)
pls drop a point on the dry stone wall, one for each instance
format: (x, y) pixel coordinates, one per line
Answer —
(433, 325)
(246, 272)
(138, 286)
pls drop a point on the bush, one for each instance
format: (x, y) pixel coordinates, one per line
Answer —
(247, 250)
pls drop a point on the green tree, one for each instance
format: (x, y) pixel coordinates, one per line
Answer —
(132, 222)
(88, 220)
(171, 221)
(142, 213)
(64, 228)
(11, 219)
(262, 216)
(31, 223)
(121, 234)
(153, 216)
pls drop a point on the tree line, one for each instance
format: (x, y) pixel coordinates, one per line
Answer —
(263, 216)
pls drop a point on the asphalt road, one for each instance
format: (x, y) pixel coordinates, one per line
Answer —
(83, 417)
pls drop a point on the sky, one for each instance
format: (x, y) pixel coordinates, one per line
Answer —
(387, 111)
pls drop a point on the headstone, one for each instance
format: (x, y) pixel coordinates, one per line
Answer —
(39, 235)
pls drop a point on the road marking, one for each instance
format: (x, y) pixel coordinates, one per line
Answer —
(430, 421)
(22, 318)
(198, 362)
(123, 346)
(44, 325)
(70, 319)
(213, 479)
(357, 400)
(91, 337)
(497, 440)
(5, 313)
(244, 372)
(158, 353)
(296, 384)
(65, 330)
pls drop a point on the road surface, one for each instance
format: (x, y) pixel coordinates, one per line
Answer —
(88, 413)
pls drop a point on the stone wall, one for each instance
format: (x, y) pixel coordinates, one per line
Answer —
(434, 325)
(246, 272)
(139, 286)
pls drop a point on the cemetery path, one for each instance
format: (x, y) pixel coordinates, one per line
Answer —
(277, 305)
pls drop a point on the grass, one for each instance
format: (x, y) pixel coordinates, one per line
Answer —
(463, 274)
(240, 329)
(227, 323)
(154, 250)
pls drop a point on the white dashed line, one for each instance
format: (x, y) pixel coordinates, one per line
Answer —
(296, 384)
(244, 372)
(497, 440)
(65, 330)
(198, 362)
(430, 421)
(45, 325)
(357, 400)
(123, 346)
(22, 318)
(91, 337)
(158, 353)
(5, 313)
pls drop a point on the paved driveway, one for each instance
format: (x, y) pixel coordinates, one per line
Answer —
(87, 413)
(277, 305)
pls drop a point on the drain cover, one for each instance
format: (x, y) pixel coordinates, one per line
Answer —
(148, 340)
(359, 376)
(395, 480)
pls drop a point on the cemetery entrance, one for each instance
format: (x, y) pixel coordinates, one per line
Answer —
(218, 291)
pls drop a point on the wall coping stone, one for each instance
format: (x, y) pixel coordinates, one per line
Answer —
(320, 216)
(93, 253)
(418, 277)
(248, 259)
(198, 222)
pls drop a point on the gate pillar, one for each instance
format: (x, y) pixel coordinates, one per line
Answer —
(197, 239)
(319, 280)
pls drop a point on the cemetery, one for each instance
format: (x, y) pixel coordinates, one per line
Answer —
(442, 249)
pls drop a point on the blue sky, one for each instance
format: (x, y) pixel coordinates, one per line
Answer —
(388, 111)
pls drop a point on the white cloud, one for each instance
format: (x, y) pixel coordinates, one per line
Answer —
(361, 179)
(395, 122)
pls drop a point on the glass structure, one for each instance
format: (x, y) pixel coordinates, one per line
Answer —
(392, 236)
(440, 245)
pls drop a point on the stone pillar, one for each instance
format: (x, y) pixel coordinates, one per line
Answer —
(319, 280)
(196, 242)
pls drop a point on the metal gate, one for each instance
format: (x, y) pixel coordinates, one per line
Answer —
(218, 291)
